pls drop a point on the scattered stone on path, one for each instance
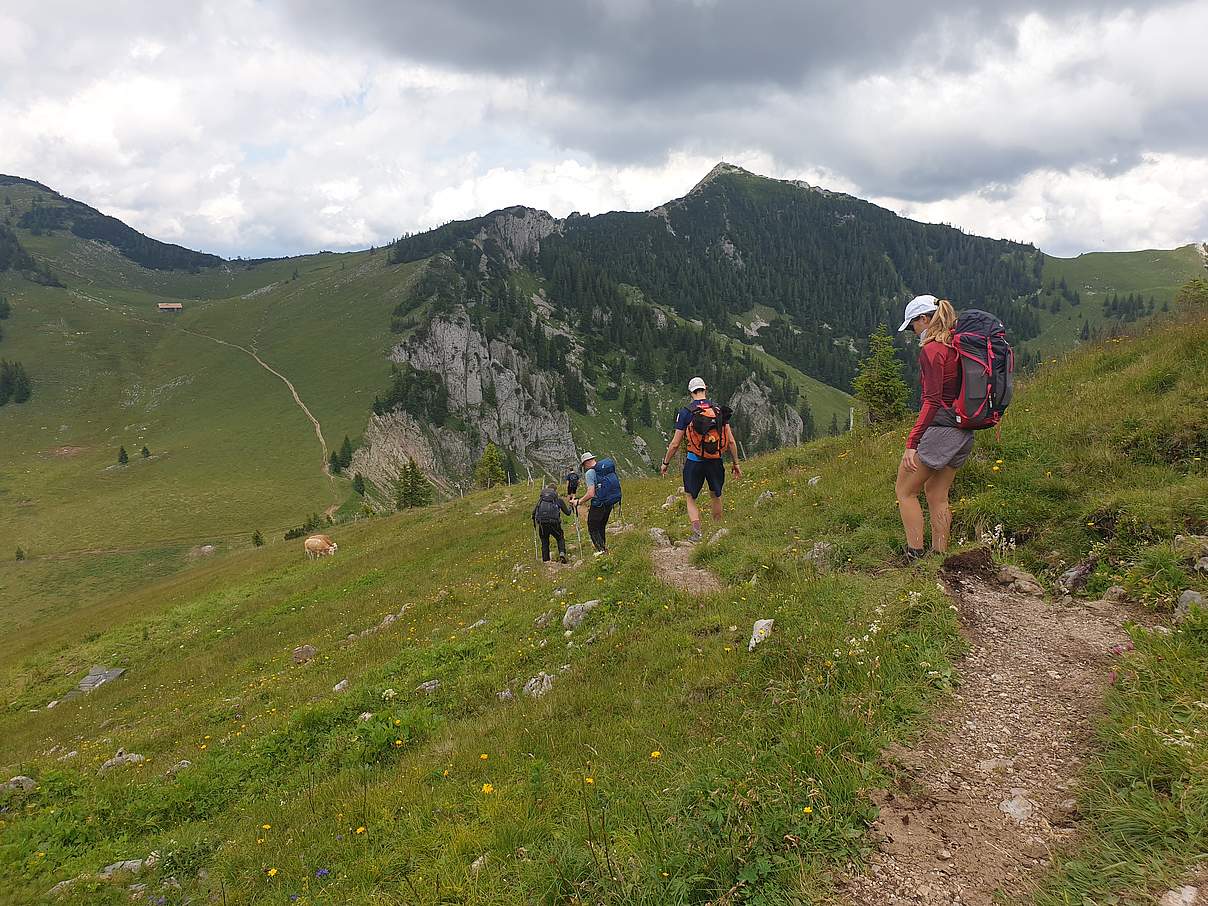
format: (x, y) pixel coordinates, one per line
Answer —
(341, 686)
(765, 498)
(545, 619)
(1186, 895)
(539, 685)
(1187, 600)
(670, 501)
(759, 633)
(1020, 581)
(23, 783)
(120, 759)
(304, 653)
(1075, 577)
(1115, 595)
(814, 481)
(1019, 806)
(659, 537)
(718, 535)
(673, 565)
(427, 688)
(577, 613)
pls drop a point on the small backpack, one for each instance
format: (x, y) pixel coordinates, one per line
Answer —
(548, 510)
(987, 369)
(707, 428)
(608, 485)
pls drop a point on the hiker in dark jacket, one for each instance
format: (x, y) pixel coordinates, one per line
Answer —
(572, 482)
(547, 517)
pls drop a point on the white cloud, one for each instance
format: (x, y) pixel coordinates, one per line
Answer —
(222, 128)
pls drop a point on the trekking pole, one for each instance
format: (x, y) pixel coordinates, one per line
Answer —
(536, 552)
(578, 534)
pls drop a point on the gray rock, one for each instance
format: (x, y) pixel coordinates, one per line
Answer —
(1187, 600)
(1075, 577)
(477, 624)
(64, 886)
(23, 783)
(782, 423)
(505, 695)
(365, 716)
(70, 755)
(539, 685)
(1201, 565)
(304, 653)
(670, 501)
(387, 620)
(1180, 896)
(814, 481)
(1116, 595)
(428, 687)
(1018, 807)
(179, 766)
(479, 864)
(820, 554)
(760, 632)
(53, 704)
(718, 535)
(659, 537)
(126, 866)
(121, 759)
(545, 619)
(765, 498)
(341, 686)
(98, 676)
(577, 613)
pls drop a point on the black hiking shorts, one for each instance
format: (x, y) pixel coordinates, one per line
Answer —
(699, 471)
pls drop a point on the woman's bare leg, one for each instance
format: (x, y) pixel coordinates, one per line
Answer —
(937, 488)
(908, 487)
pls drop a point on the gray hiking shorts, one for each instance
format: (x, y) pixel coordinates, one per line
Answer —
(941, 446)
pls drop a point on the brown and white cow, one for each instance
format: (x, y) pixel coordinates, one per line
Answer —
(319, 546)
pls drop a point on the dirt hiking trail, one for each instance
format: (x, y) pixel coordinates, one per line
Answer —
(673, 566)
(980, 800)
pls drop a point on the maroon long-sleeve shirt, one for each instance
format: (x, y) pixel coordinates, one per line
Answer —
(939, 371)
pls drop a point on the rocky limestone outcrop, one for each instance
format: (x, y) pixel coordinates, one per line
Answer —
(768, 425)
(523, 418)
(519, 232)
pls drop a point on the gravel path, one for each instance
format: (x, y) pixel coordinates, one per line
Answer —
(980, 800)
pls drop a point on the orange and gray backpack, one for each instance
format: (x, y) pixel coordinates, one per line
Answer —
(708, 429)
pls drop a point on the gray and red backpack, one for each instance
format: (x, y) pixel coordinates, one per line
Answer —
(987, 372)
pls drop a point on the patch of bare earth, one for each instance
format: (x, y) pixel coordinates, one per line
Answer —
(980, 801)
(67, 451)
(673, 566)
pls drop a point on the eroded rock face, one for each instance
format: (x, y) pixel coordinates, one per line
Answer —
(519, 232)
(523, 419)
(779, 424)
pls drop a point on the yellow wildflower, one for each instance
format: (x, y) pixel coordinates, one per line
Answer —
(487, 789)
(591, 780)
(808, 810)
(361, 829)
(267, 826)
(272, 872)
(656, 754)
(483, 757)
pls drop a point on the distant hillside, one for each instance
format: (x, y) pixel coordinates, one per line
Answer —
(47, 212)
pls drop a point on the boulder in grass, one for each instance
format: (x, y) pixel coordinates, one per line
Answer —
(121, 759)
(765, 498)
(1187, 600)
(760, 632)
(659, 537)
(539, 685)
(719, 535)
(427, 688)
(577, 613)
(22, 783)
(341, 686)
(304, 653)
(1116, 595)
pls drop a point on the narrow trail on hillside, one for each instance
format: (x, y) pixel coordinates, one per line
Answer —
(263, 364)
(981, 800)
(673, 566)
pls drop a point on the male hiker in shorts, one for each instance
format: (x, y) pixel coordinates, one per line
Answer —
(603, 493)
(706, 428)
(547, 517)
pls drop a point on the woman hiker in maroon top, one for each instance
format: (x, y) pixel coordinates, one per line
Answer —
(933, 452)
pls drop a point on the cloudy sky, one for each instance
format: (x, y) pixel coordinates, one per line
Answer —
(274, 127)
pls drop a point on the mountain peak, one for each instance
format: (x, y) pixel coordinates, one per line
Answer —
(721, 168)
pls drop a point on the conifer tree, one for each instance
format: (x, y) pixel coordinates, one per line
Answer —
(808, 429)
(346, 453)
(333, 463)
(122, 456)
(20, 554)
(879, 384)
(257, 539)
(834, 425)
(358, 484)
(144, 452)
(489, 471)
(646, 415)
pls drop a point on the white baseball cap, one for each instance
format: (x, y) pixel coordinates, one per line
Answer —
(585, 457)
(697, 383)
(919, 305)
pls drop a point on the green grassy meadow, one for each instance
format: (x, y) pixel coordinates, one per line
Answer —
(667, 764)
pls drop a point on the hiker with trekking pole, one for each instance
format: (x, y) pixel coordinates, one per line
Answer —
(966, 367)
(706, 428)
(547, 521)
(603, 493)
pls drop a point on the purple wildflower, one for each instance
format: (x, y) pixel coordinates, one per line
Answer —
(321, 873)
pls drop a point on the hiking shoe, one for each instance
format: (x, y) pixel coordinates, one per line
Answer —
(695, 537)
(562, 559)
(600, 553)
